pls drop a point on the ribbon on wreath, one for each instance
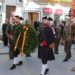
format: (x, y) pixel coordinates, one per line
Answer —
(24, 38)
(23, 42)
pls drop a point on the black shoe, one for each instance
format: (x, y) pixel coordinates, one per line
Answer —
(46, 71)
(65, 60)
(56, 53)
(13, 67)
(69, 57)
(28, 55)
(11, 58)
(20, 63)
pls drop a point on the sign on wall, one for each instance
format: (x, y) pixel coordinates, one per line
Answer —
(47, 10)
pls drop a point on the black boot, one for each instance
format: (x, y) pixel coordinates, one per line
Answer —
(20, 63)
(46, 71)
(56, 53)
(13, 67)
(65, 60)
(69, 56)
(28, 55)
(11, 58)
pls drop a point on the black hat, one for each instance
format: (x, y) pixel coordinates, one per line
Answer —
(19, 17)
(45, 17)
(50, 19)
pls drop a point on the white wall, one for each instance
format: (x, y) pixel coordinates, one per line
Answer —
(12, 3)
(7, 2)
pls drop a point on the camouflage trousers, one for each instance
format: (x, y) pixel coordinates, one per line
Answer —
(56, 46)
(67, 48)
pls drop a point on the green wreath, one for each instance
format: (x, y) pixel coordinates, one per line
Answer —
(31, 40)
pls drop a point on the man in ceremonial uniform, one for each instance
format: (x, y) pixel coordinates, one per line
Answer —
(24, 41)
(67, 39)
(45, 51)
(17, 55)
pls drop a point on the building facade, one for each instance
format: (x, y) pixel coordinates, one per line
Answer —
(32, 10)
(36, 9)
(9, 8)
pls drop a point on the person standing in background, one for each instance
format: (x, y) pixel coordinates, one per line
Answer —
(36, 25)
(4, 37)
(57, 39)
(67, 39)
(9, 32)
(62, 25)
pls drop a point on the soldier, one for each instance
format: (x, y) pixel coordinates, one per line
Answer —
(24, 42)
(62, 31)
(16, 54)
(73, 33)
(57, 39)
(9, 33)
(67, 38)
(45, 51)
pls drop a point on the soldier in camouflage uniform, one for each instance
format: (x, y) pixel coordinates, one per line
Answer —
(57, 39)
(67, 39)
(73, 31)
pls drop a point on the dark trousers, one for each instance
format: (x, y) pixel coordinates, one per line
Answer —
(44, 61)
(5, 41)
(11, 52)
(16, 52)
(67, 48)
(56, 47)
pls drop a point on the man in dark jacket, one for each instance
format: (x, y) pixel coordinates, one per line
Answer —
(5, 38)
(46, 38)
(9, 32)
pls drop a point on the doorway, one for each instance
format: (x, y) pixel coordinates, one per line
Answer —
(9, 11)
(33, 16)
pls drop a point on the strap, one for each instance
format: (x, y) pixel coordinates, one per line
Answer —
(44, 35)
(17, 42)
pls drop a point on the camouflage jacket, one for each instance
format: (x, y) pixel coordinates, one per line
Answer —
(58, 32)
(68, 33)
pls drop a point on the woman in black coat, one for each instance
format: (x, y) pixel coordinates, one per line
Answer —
(46, 37)
(5, 38)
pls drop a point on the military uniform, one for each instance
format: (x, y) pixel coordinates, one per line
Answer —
(17, 58)
(45, 51)
(67, 38)
(24, 42)
(73, 33)
(57, 39)
(9, 32)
